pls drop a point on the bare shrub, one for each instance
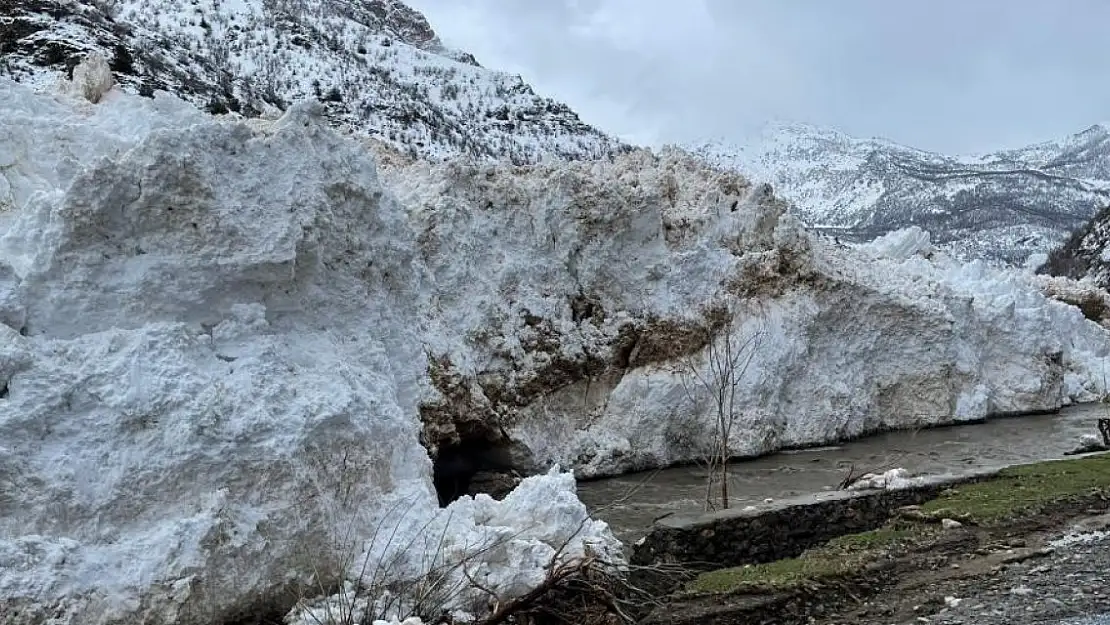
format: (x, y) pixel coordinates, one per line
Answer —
(579, 587)
(718, 373)
(376, 593)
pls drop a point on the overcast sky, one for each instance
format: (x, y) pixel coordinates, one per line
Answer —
(954, 76)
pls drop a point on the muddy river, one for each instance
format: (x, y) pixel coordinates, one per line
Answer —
(631, 503)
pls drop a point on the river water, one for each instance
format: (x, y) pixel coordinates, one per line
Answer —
(631, 503)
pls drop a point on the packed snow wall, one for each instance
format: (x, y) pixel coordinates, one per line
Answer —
(211, 357)
(228, 346)
(578, 326)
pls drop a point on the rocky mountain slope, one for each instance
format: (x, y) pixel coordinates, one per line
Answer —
(1085, 255)
(377, 66)
(1001, 206)
(228, 345)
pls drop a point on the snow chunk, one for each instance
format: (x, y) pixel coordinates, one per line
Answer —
(900, 244)
(1093, 301)
(974, 404)
(893, 479)
(243, 319)
(1035, 261)
(1088, 443)
(505, 546)
(92, 78)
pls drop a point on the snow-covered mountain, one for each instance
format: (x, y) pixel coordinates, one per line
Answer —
(1000, 206)
(377, 65)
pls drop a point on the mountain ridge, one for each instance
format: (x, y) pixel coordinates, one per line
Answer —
(1001, 206)
(377, 66)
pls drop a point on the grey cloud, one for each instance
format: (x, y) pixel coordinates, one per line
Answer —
(947, 75)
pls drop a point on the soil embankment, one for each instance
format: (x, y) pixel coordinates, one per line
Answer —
(1026, 544)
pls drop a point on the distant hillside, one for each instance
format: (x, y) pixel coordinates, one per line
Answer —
(1002, 206)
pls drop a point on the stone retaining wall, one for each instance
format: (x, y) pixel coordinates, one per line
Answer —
(782, 529)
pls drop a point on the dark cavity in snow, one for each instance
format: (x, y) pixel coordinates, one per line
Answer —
(471, 467)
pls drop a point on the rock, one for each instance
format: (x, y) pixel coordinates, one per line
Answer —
(493, 483)
(894, 479)
(950, 524)
(1024, 554)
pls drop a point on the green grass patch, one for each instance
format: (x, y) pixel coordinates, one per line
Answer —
(1014, 492)
(839, 557)
(1021, 490)
(777, 575)
(887, 536)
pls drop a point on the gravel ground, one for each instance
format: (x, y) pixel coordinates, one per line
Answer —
(1069, 586)
(1093, 620)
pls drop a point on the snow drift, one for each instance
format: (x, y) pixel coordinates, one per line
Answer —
(225, 343)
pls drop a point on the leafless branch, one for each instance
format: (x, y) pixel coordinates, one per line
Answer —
(719, 374)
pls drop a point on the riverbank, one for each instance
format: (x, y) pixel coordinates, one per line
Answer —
(631, 504)
(989, 551)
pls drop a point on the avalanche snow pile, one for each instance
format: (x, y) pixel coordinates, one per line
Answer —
(227, 345)
(597, 287)
(210, 362)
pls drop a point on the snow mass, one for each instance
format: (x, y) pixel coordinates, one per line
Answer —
(224, 343)
(210, 376)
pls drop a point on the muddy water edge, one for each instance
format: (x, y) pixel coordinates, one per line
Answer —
(632, 503)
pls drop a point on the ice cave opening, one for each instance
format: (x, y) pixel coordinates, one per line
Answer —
(475, 466)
